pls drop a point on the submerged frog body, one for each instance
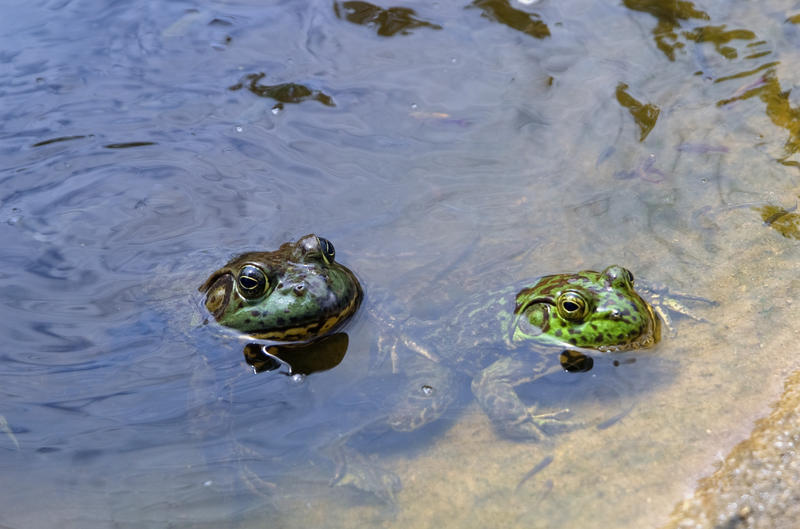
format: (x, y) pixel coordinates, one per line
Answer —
(288, 303)
(501, 340)
(296, 293)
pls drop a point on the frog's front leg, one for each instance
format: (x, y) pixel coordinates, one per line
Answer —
(354, 469)
(494, 389)
(667, 303)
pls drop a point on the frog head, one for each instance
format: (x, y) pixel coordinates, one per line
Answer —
(295, 293)
(592, 310)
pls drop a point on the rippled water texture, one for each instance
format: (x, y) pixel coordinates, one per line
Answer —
(445, 149)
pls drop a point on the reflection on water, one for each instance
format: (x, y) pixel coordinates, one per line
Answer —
(575, 362)
(282, 92)
(502, 11)
(777, 102)
(719, 36)
(781, 112)
(669, 16)
(301, 359)
(785, 220)
(56, 140)
(129, 144)
(499, 141)
(645, 115)
(388, 22)
(8, 432)
(766, 85)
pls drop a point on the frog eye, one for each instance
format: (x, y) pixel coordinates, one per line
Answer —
(252, 281)
(328, 251)
(572, 306)
(629, 275)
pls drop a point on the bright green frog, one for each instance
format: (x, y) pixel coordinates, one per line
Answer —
(294, 294)
(502, 339)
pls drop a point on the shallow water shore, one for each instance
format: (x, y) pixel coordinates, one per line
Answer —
(758, 483)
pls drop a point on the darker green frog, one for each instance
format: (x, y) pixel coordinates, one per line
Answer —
(500, 340)
(296, 293)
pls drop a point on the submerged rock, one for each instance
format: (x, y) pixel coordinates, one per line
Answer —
(758, 484)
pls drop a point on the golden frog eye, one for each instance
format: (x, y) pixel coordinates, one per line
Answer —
(572, 306)
(252, 281)
(328, 251)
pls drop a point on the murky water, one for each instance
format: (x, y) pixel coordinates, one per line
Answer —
(445, 149)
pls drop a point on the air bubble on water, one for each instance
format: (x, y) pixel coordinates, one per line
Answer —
(427, 390)
(298, 378)
(414, 106)
(239, 128)
(276, 109)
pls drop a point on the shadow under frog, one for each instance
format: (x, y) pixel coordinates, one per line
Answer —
(298, 359)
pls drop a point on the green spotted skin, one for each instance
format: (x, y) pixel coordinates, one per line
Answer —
(614, 317)
(295, 293)
(527, 315)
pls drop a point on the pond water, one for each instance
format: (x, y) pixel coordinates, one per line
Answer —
(445, 149)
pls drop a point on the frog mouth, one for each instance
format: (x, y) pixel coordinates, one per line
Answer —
(218, 293)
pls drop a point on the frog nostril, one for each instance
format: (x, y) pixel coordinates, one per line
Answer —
(299, 289)
(616, 315)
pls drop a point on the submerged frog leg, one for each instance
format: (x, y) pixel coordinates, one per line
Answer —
(7, 430)
(666, 318)
(385, 347)
(429, 389)
(668, 303)
(389, 339)
(494, 389)
(256, 485)
(355, 469)
(252, 481)
(557, 418)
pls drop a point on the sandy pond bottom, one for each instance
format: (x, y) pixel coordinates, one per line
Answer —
(634, 471)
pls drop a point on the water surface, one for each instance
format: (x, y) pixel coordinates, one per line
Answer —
(445, 149)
